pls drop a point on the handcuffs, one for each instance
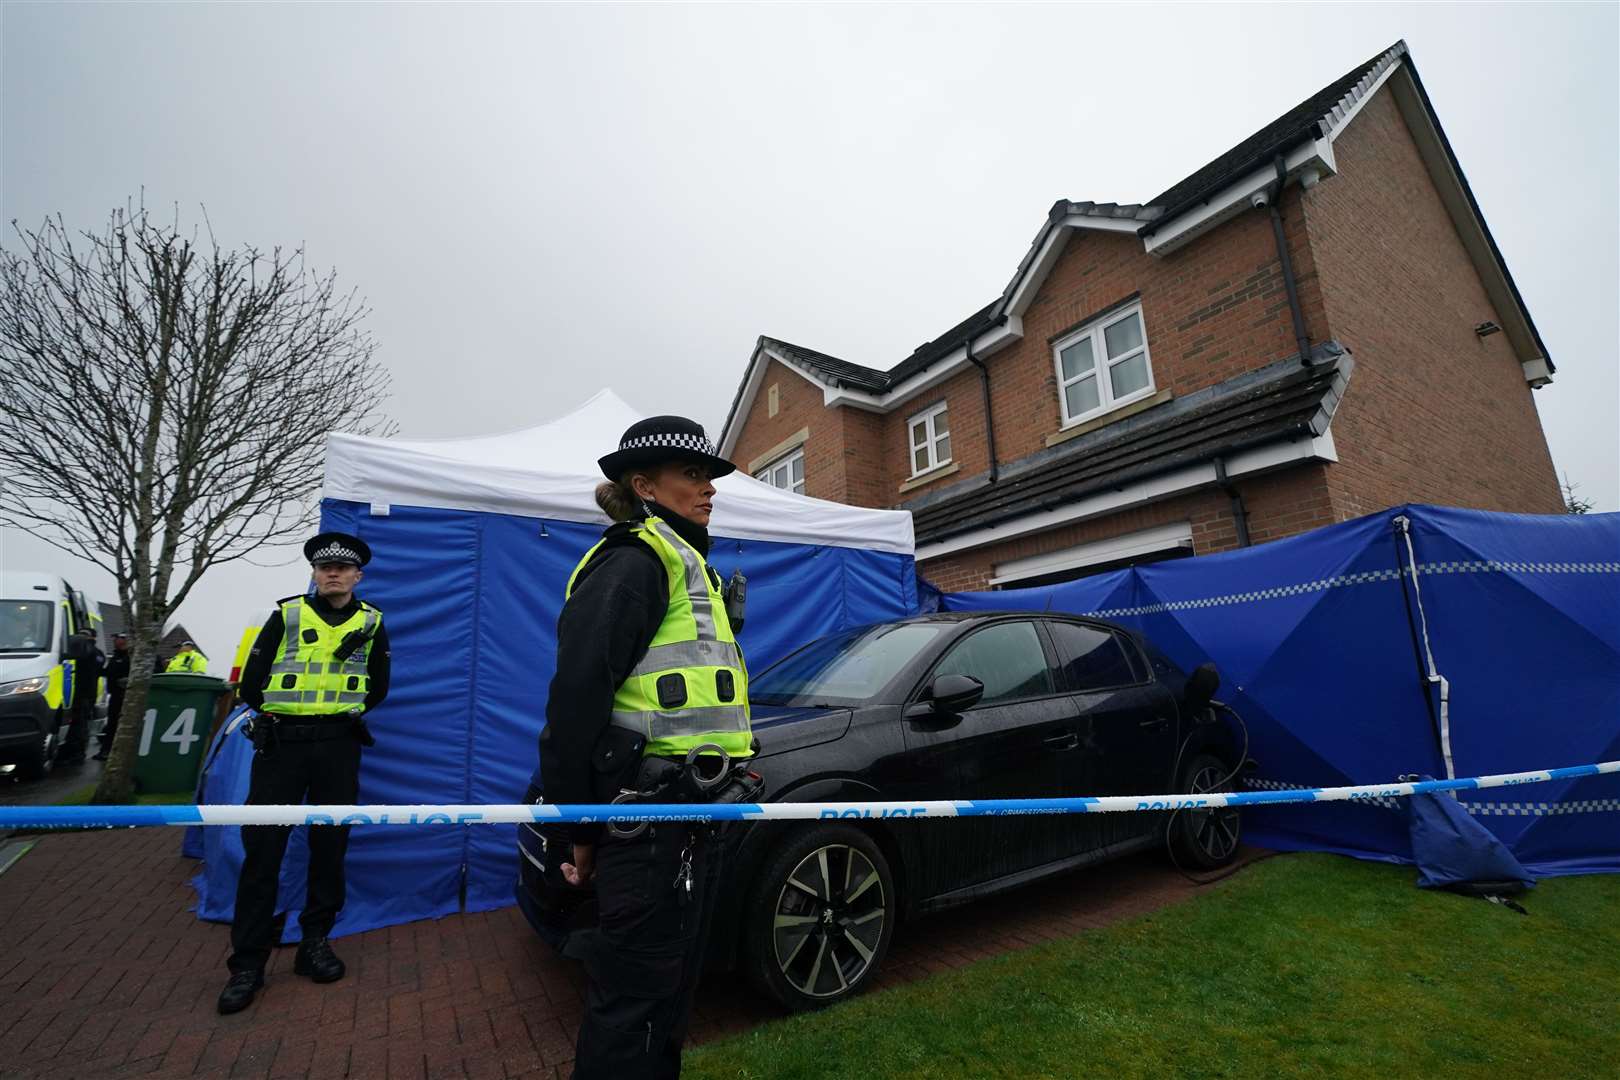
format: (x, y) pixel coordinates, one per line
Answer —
(729, 783)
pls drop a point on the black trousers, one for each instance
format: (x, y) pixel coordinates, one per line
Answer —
(78, 734)
(643, 959)
(115, 705)
(327, 771)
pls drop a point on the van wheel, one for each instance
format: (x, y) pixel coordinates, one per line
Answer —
(1205, 839)
(36, 764)
(821, 915)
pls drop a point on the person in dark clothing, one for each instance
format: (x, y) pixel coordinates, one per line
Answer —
(620, 698)
(88, 661)
(117, 675)
(319, 665)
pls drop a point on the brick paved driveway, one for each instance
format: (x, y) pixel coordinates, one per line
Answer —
(104, 972)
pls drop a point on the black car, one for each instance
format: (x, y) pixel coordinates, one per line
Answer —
(946, 706)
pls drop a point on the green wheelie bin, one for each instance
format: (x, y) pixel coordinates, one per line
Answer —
(174, 732)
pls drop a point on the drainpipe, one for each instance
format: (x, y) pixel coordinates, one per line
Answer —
(989, 425)
(1240, 513)
(1273, 197)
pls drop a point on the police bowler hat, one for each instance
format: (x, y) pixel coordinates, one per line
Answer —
(337, 547)
(658, 439)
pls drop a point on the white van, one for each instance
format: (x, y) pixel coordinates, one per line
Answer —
(39, 614)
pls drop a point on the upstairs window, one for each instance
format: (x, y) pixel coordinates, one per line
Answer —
(786, 472)
(1103, 366)
(930, 439)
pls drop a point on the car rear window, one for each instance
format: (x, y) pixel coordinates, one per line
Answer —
(1093, 658)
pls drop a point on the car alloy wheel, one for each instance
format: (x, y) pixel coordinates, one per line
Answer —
(1205, 839)
(828, 921)
(1214, 832)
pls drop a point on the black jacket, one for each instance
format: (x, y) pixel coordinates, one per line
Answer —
(117, 668)
(257, 670)
(606, 626)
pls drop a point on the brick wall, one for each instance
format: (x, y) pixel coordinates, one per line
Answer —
(1279, 504)
(1433, 413)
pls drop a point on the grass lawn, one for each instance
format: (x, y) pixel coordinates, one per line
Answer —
(1304, 965)
(82, 796)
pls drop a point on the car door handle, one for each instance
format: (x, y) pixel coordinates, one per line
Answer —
(1066, 741)
(1155, 722)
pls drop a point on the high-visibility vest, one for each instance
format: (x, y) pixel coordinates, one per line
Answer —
(306, 678)
(691, 687)
(190, 660)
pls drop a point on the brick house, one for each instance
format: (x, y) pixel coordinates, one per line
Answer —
(1234, 361)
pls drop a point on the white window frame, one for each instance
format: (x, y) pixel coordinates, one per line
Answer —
(926, 418)
(784, 464)
(1102, 367)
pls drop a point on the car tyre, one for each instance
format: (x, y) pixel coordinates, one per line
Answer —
(820, 916)
(1205, 839)
(36, 764)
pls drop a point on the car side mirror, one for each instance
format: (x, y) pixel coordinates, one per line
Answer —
(1201, 687)
(955, 693)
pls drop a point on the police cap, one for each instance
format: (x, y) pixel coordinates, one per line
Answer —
(337, 547)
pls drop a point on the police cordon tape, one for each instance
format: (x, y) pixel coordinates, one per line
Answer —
(90, 817)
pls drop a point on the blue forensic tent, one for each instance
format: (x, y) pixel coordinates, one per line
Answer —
(1324, 643)
(473, 541)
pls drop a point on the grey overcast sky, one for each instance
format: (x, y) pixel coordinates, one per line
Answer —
(540, 201)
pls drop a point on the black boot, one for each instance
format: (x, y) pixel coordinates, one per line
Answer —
(317, 960)
(238, 993)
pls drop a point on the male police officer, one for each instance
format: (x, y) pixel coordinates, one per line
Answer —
(320, 663)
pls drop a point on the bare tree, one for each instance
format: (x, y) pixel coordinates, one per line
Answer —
(164, 404)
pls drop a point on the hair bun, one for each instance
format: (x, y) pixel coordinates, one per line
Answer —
(617, 501)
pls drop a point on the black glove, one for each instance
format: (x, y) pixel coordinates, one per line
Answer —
(260, 730)
(362, 732)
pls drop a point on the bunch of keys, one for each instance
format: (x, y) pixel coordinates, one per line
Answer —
(683, 876)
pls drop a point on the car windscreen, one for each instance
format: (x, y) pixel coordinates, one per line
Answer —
(25, 626)
(843, 669)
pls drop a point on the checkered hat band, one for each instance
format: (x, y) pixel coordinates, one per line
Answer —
(335, 553)
(671, 441)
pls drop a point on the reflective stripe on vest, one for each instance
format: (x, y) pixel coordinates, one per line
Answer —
(692, 686)
(306, 679)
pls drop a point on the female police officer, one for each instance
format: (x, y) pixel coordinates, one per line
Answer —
(647, 667)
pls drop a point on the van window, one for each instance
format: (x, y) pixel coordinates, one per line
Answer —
(25, 625)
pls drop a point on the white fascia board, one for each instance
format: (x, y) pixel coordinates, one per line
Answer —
(947, 366)
(1143, 542)
(745, 402)
(1023, 293)
(1537, 373)
(1261, 459)
(1234, 198)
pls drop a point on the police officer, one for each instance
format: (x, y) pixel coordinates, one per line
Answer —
(117, 675)
(318, 666)
(648, 668)
(188, 660)
(87, 665)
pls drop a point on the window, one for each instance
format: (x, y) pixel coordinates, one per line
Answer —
(1093, 658)
(786, 472)
(1007, 658)
(1103, 366)
(930, 439)
(844, 669)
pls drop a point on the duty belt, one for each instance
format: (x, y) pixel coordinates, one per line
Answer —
(677, 780)
(288, 730)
